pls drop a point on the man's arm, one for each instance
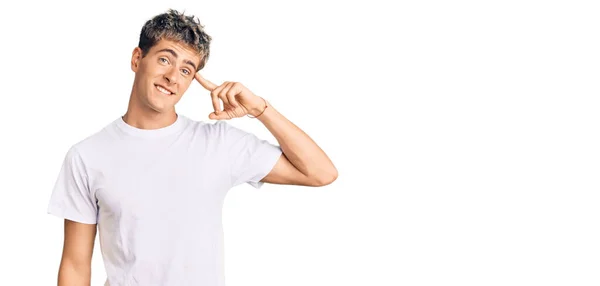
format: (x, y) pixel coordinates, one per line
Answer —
(303, 162)
(76, 263)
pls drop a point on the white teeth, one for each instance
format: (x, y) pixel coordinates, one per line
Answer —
(163, 90)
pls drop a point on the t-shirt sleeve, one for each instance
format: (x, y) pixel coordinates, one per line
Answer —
(250, 157)
(71, 197)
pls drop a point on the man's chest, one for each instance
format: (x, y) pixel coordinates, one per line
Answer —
(160, 187)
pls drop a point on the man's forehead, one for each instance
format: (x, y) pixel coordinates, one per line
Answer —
(182, 49)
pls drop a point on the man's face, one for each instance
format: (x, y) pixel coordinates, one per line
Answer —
(163, 75)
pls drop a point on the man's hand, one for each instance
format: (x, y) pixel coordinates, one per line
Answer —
(237, 100)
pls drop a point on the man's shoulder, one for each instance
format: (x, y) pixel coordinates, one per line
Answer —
(210, 128)
(220, 132)
(96, 140)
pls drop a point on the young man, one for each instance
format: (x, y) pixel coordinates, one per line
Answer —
(153, 181)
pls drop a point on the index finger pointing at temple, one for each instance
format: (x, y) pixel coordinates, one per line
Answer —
(205, 83)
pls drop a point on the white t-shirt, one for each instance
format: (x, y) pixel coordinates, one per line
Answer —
(157, 195)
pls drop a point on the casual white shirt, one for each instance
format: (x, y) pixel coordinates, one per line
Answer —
(157, 196)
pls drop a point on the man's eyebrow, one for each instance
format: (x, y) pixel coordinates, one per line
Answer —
(175, 55)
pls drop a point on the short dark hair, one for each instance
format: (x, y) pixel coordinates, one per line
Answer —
(176, 26)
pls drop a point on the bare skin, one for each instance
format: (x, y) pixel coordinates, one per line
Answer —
(302, 163)
(76, 262)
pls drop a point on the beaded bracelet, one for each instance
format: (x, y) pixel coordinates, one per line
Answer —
(261, 112)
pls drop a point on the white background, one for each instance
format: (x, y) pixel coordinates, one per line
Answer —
(465, 133)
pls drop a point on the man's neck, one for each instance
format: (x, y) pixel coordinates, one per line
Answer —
(146, 120)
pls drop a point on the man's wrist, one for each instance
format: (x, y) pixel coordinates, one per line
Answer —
(258, 108)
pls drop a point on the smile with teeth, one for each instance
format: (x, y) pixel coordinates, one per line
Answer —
(163, 90)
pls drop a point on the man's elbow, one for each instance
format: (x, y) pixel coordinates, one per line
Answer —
(71, 273)
(326, 178)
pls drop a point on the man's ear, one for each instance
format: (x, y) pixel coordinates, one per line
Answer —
(136, 57)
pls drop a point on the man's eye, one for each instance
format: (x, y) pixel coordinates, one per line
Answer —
(163, 60)
(186, 71)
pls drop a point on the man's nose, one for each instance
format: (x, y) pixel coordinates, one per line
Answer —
(171, 75)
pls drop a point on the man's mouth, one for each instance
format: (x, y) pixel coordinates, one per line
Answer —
(163, 90)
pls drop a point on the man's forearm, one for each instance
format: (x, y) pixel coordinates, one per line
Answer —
(73, 275)
(298, 147)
